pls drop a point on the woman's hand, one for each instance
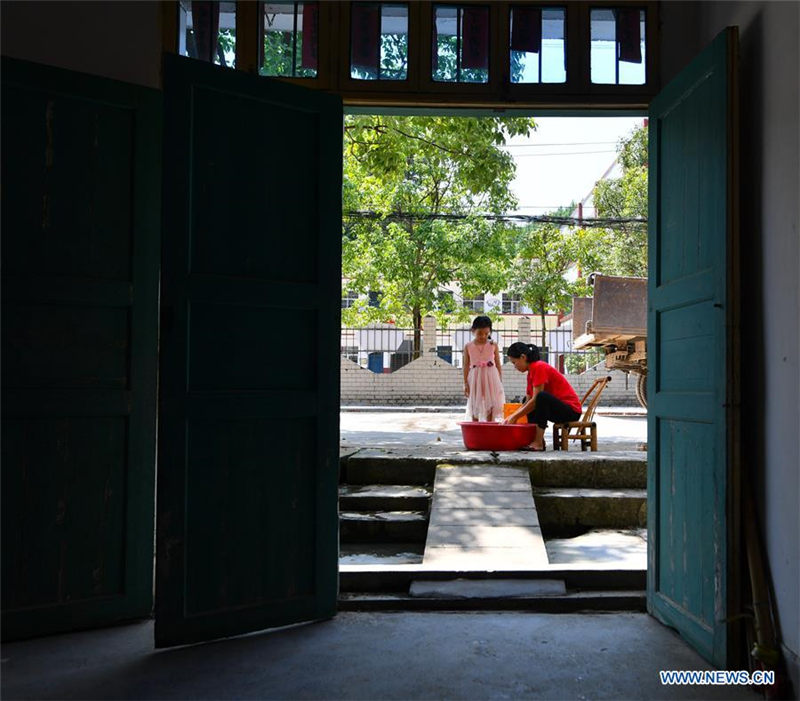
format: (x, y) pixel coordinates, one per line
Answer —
(511, 418)
(466, 390)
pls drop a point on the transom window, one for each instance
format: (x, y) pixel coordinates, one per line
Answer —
(618, 46)
(207, 31)
(288, 41)
(460, 44)
(538, 44)
(378, 41)
(434, 52)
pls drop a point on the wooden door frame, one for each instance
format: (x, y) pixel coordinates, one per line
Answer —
(621, 100)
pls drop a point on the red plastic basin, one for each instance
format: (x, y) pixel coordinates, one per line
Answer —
(480, 435)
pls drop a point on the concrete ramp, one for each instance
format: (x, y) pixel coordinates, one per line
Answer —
(483, 518)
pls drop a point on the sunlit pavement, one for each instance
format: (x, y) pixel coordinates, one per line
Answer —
(618, 428)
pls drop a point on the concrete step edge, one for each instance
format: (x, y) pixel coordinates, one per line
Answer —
(400, 516)
(588, 493)
(610, 600)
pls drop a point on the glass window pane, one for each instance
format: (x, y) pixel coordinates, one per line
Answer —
(207, 31)
(618, 51)
(460, 44)
(537, 51)
(289, 32)
(378, 41)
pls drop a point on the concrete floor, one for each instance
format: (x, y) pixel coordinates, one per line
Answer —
(371, 656)
(617, 428)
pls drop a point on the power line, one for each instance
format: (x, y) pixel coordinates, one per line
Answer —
(511, 218)
(563, 153)
(574, 143)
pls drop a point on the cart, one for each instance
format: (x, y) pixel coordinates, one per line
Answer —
(614, 318)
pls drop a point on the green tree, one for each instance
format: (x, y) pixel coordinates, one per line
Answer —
(409, 172)
(547, 256)
(626, 198)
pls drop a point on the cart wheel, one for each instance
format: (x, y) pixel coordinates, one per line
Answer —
(641, 390)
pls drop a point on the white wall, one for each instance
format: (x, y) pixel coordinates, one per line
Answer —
(771, 265)
(120, 40)
(429, 380)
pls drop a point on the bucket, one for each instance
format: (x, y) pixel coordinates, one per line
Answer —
(509, 408)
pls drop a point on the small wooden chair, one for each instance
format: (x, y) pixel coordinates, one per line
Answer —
(577, 430)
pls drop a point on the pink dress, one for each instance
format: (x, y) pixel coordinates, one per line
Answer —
(486, 394)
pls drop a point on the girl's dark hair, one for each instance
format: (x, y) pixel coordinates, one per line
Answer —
(482, 322)
(518, 349)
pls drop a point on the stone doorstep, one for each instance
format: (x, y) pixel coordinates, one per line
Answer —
(595, 470)
(570, 602)
(383, 526)
(384, 490)
(592, 508)
(383, 516)
(487, 588)
(377, 497)
(455, 455)
(580, 493)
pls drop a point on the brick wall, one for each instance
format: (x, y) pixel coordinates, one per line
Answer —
(429, 380)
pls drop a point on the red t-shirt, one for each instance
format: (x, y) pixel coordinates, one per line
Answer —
(541, 373)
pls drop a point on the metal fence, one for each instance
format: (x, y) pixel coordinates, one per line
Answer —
(384, 348)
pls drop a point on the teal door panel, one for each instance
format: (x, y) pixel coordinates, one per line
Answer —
(247, 534)
(691, 391)
(81, 174)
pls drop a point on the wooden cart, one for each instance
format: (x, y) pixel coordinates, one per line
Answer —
(615, 318)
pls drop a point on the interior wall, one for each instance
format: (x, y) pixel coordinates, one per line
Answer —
(119, 40)
(770, 185)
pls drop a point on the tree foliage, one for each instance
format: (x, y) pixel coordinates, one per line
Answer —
(625, 198)
(404, 169)
(546, 271)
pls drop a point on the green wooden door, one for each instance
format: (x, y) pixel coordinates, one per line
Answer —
(692, 486)
(81, 173)
(249, 395)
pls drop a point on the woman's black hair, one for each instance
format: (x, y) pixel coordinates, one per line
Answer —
(482, 322)
(518, 349)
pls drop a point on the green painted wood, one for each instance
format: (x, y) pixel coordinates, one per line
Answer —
(81, 173)
(691, 225)
(249, 404)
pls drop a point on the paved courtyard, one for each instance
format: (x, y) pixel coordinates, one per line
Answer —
(618, 428)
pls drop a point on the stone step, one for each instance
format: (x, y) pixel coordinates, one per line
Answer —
(624, 547)
(383, 526)
(397, 578)
(398, 553)
(375, 466)
(591, 508)
(570, 602)
(384, 497)
(486, 588)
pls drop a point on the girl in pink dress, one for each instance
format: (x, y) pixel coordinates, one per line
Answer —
(483, 379)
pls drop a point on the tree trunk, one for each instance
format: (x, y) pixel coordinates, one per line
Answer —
(417, 317)
(544, 331)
